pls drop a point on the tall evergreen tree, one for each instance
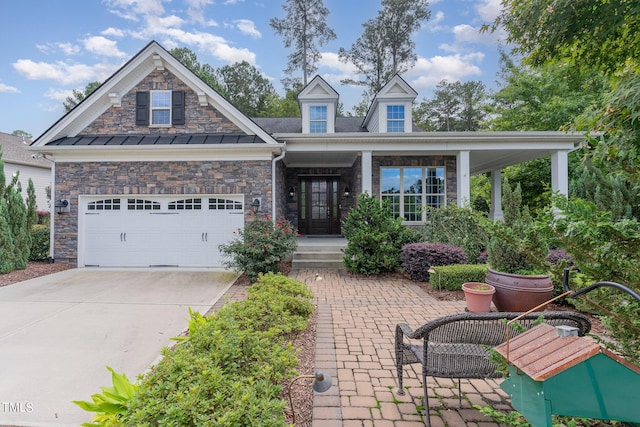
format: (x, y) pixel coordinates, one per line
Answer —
(386, 46)
(77, 96)
(17, 219)
(304, 27)
(7, 249)
(245, 87)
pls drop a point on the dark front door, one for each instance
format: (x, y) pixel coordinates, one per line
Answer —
(319, 206)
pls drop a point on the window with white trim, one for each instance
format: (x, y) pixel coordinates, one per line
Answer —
(104, 205)
(160, 107)
(186, 205)
(395, 118)
(412, 189)
(318, 119)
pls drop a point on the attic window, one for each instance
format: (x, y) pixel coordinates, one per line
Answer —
(160, 108)
(318, 119)
(395, 118)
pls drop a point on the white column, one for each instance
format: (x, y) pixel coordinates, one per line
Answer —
(367, 184)
(560, 172)
(464, 179)
(496, 213)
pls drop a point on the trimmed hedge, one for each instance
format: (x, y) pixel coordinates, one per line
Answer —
(39, 243)
(451, 277)
(418, 258)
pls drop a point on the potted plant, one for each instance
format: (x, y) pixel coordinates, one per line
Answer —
(517, 255)
(478, 296)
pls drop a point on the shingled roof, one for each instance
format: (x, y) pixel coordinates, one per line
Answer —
(13, 151)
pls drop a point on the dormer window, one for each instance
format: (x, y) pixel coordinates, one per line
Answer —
(395, 118)
(318, 119)
(160, 107)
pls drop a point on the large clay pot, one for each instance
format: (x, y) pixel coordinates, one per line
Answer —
(519, 292)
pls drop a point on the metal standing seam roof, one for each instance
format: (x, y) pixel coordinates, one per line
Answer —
(163, 139)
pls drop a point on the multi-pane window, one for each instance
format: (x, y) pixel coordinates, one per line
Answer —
(104, 205)
(410, 190)
(161, 107)
(395, 118)
(186, 205)
(318, 119)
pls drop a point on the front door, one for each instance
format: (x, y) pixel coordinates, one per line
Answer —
(319, 206)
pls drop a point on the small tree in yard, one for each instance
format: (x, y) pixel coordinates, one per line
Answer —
(374, 237)
(260, 247)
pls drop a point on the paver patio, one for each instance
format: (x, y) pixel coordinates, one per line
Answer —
(355, 344)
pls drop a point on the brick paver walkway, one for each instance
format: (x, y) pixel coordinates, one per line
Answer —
(355, 345)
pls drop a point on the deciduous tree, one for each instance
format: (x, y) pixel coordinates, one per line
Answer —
(246, 88)
(78, 96)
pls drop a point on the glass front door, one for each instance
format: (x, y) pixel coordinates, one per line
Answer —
(319, 206)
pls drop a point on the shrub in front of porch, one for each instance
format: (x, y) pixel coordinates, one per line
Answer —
(260, 247)
(374, 237)
(418, 258)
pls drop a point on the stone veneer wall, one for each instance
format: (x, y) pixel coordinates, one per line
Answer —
(251, 178)
(122, 120)
(449, 162)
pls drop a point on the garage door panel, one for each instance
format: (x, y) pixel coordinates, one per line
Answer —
(170, 231)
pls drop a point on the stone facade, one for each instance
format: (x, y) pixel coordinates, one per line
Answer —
(198, 119)
(251, 178)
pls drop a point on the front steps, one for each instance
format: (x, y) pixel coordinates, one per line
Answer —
(319, 253)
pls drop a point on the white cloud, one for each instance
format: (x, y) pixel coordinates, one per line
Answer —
(130, 9)
(64, 73)
(429, 71)
(68, 48)
(196, 9)
(215, 45)
(331, 61)
(233, 1)
(489, 9)
(8, 89)
(103, 46)
(58, 94)
(113, 32)
(248, 27)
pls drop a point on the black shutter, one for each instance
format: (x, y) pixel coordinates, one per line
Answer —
(142, 108)
(177, 107)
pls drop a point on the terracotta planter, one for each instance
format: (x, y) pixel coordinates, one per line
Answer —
(478, 299)
(518, 292)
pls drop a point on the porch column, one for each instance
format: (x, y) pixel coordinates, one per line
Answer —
(560, 172)
(496, 213)
(464, 180)
(367, 184)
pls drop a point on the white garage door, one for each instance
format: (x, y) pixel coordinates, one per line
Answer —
(142, 231)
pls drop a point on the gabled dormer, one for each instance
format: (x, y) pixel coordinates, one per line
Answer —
(318, 104)
(390, 111)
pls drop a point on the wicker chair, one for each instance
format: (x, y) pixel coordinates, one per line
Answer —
(456, 346)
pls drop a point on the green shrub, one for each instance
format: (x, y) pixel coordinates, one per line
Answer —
(418, 258)
(289, 312)
(517, 244)
(451, 277)
(227, 373)
(40, 236)
(457, 226)
(260, 247)
(373, 237)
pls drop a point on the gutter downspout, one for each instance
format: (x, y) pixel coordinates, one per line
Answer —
(273, 180)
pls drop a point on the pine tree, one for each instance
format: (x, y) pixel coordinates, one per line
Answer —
(17, 219)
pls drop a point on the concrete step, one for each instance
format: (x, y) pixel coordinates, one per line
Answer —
(309, 263)
(327, 256)
(320, 248)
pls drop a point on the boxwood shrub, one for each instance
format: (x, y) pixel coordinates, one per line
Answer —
(451, 277)
(418, 258)
(39, 243)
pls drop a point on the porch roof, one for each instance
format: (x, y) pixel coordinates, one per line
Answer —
(487, 150)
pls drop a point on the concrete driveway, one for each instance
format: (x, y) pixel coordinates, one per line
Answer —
(58, 332)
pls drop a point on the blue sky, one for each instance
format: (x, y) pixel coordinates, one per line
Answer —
(48, 48)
